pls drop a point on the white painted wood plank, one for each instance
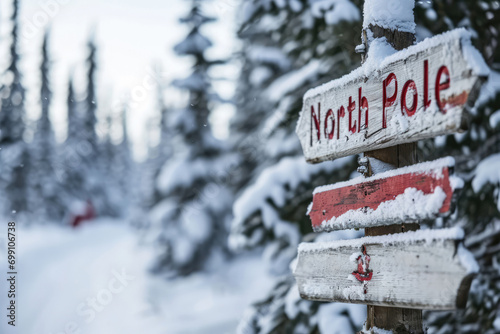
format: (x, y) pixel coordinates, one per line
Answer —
(420, 270)
(350, 134)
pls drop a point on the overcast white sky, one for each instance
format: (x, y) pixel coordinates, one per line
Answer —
(133, 37)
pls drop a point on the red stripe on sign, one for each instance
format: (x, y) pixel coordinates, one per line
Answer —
(336, 202)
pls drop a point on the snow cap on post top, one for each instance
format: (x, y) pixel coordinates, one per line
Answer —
(390, 14)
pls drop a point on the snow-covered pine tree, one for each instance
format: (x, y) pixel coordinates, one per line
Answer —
(161, 154)
(106, 146)
(124, 170)
(192, 213)
(262, 62)
(317, 39)
(45, 201)
(70, 161)
(90, 115)
(108, 170)
(149, 169)
(158, 155)
(96, 162)
(165, 147)
(14, 156)
(477, 153)
(78, 162)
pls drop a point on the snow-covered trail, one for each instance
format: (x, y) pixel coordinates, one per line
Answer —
(62, 270)
(95, 280)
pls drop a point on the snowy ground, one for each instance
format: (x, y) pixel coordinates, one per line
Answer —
(95, 280)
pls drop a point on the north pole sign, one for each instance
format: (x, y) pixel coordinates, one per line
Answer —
(418, 93)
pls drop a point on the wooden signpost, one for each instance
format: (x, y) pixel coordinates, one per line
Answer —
(381, 110)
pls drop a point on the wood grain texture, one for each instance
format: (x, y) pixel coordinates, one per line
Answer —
(328, 128)
(399, 320)
(353, 206)
(419, 275)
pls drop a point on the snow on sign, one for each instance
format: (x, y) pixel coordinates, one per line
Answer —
(417, 93)
(422, 191)
(427, 269)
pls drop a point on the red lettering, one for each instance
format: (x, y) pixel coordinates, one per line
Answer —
(329, 116)
(362, 106)
(410, 84)
(442, 86)
(350, 109)
(427, 101)
(316, 121)
(388, 101)
(340, 113)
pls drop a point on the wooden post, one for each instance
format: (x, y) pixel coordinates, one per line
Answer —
(399, 320)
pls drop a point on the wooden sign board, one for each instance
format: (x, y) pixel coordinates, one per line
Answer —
(426, 269)
(418, 93)
(422, 191)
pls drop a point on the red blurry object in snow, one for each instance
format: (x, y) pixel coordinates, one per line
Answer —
(82, 212)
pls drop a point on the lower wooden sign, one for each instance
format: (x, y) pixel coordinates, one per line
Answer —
(427, 269)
